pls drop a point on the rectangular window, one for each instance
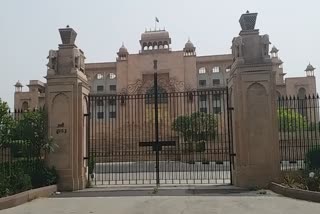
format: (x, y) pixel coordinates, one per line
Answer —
(112, 114)
(113, 88)
(99, 102)
(216, 82)
(203, 97)
(202, 82)
(100, 88)
(215, 69)
(204, 109)
(216, 110)
(100, 115)
(216, 97)
(112, 102)
(202, 70)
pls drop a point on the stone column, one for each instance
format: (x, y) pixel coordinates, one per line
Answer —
(253, 95)
(66, 101)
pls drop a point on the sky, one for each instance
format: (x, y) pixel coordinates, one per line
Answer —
(29, 29)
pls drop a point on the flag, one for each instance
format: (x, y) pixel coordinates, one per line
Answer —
(157, 20)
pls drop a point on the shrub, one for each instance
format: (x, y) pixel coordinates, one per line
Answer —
(4, 186)
(290, 120)
(43, 176)
(312, 180)
(313, 159)
(196, 129)
(307, 180)
(91, 164)
(201, 146)
(24, 175)
(18, 181)
(199, 126)
(6, 123)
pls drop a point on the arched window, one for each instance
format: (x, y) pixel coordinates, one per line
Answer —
(145, 46)
(302, 93)
(160, 45)
(25, 106)
(302, 107)
(162, 95)
(202, 70)
(99, 76)
(155, 46)
(112, 76)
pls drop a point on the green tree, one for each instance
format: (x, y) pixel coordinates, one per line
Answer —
(6, 123)
(196, 129)
(32, 130)
(290, 120)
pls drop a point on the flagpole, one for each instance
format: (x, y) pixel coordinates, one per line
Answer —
(155, 24)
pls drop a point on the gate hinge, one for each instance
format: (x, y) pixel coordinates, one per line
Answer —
(233, 154)
(231, 108)
(86, 115)
(85, 158)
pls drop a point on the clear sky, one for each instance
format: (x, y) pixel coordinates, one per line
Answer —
(29, 29)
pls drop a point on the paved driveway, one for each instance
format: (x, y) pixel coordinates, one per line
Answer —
(239, 204)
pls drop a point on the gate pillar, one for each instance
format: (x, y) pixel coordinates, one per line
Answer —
(66, 95)
(252, 87)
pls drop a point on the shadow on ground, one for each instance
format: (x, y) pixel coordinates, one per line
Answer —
(161, 191)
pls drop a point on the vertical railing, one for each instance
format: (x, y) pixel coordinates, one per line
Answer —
(19, 144)
(298, 118)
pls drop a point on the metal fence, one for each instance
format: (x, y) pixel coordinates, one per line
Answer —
(299, 130)
(19, 144)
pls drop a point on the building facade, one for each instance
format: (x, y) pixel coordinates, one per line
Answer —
(178, 70)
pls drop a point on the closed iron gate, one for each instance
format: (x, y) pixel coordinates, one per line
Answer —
(160, 137)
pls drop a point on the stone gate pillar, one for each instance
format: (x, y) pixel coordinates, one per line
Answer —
(253, 95)
(66, 95)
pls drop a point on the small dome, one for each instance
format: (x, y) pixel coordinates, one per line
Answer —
(310, 68)
(123, 49)
(18, 84)
(274, 50)
(189, 45)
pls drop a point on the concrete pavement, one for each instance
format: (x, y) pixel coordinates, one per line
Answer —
(245, 203)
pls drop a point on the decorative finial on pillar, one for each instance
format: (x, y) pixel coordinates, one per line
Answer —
(68, 35)
(248, 20)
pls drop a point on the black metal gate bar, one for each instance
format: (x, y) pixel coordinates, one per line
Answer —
(156, 127)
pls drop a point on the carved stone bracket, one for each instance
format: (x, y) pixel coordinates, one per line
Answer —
(142, 86)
